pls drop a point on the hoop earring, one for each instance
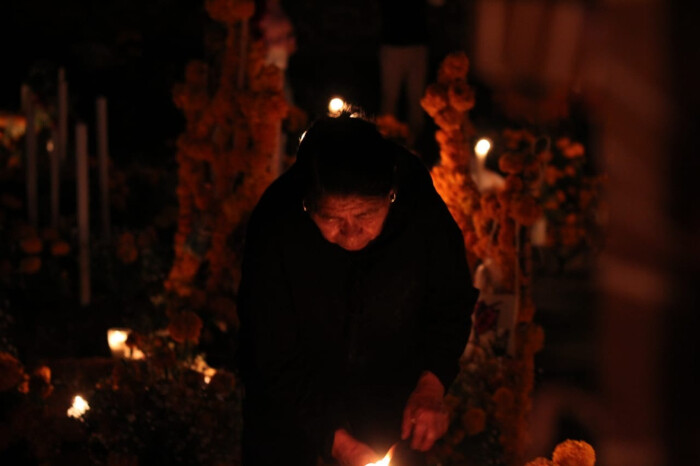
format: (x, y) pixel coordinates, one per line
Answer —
(392, 197)
(303, 205)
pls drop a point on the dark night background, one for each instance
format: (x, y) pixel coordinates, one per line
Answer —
(133, 52)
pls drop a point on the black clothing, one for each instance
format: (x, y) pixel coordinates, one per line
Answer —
(404, 22)
(332, 338)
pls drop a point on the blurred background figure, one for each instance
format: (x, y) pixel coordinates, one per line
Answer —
(403, 58)
(275, 27)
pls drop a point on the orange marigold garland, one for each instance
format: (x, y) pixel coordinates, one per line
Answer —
(224, 158)
(497, 232)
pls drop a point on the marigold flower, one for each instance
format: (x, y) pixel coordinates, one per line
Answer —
(185, 327)
(32, 245)
(574, 453)
(455, 66)
(574, 150)
(461, 96)
(539, 462)
(40, 382)
(60, 248)
(126, 248)
(474, 421)
(11, 371)
(525, 210)
(448, 118)
(504, 399)
(230, 11)
(30, 265)
(512, 162)
(435, 99)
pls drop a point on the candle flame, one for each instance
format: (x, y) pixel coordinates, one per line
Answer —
(336, 106)
(386, 461)
(482, 148)
(80, 407)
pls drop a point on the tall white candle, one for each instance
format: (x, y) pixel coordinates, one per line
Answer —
(55, 169)
(62, 140)
(103, 164)
(83, 205)
(30, 148)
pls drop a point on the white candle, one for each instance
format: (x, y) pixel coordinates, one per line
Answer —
(30, 147)
(103, 164)
(62, 140)
(481, 150)
(83, 205)
(55, 168)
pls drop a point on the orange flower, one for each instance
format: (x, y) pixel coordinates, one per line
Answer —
(574, 453)
(461, 96)
(504, 399)
(525, 210)
(30, 265)
(539, 462)
(455, 66)
(435, 99)
(512, 162)
(230, 11)
(11, 371)
(32, 245)
(40, 382)
(448, 119)
(185, 327)
(60, 248)
(474, 421)
(126, 248)
(574, 150)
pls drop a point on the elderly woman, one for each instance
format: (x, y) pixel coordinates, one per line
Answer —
(354, 303)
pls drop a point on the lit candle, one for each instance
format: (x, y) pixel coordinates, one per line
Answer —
(83, 204)
(79, 408)
(336, 106)
(116, 338)
(481, 150)
(386, 460)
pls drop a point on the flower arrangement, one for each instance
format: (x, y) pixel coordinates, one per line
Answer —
(233, 112)
(568, 453)
(491, 397)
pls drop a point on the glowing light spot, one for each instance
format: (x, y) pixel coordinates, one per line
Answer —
(482, 148)
(79, 408)
(49, 146)
(336, 106)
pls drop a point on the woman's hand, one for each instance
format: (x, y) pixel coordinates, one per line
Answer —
(348, 451)
(425, 418)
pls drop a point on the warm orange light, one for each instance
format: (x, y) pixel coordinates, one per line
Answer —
(386, 461)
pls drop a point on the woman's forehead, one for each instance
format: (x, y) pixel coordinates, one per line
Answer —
(347, 203)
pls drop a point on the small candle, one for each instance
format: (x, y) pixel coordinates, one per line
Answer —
(116, 338)
(481, 150)
(83, 205)
(335, 106)
(79, 408)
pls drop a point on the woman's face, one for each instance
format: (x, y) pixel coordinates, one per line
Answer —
(351, 221)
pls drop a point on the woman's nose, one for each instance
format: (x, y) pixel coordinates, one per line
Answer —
(349, 228)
